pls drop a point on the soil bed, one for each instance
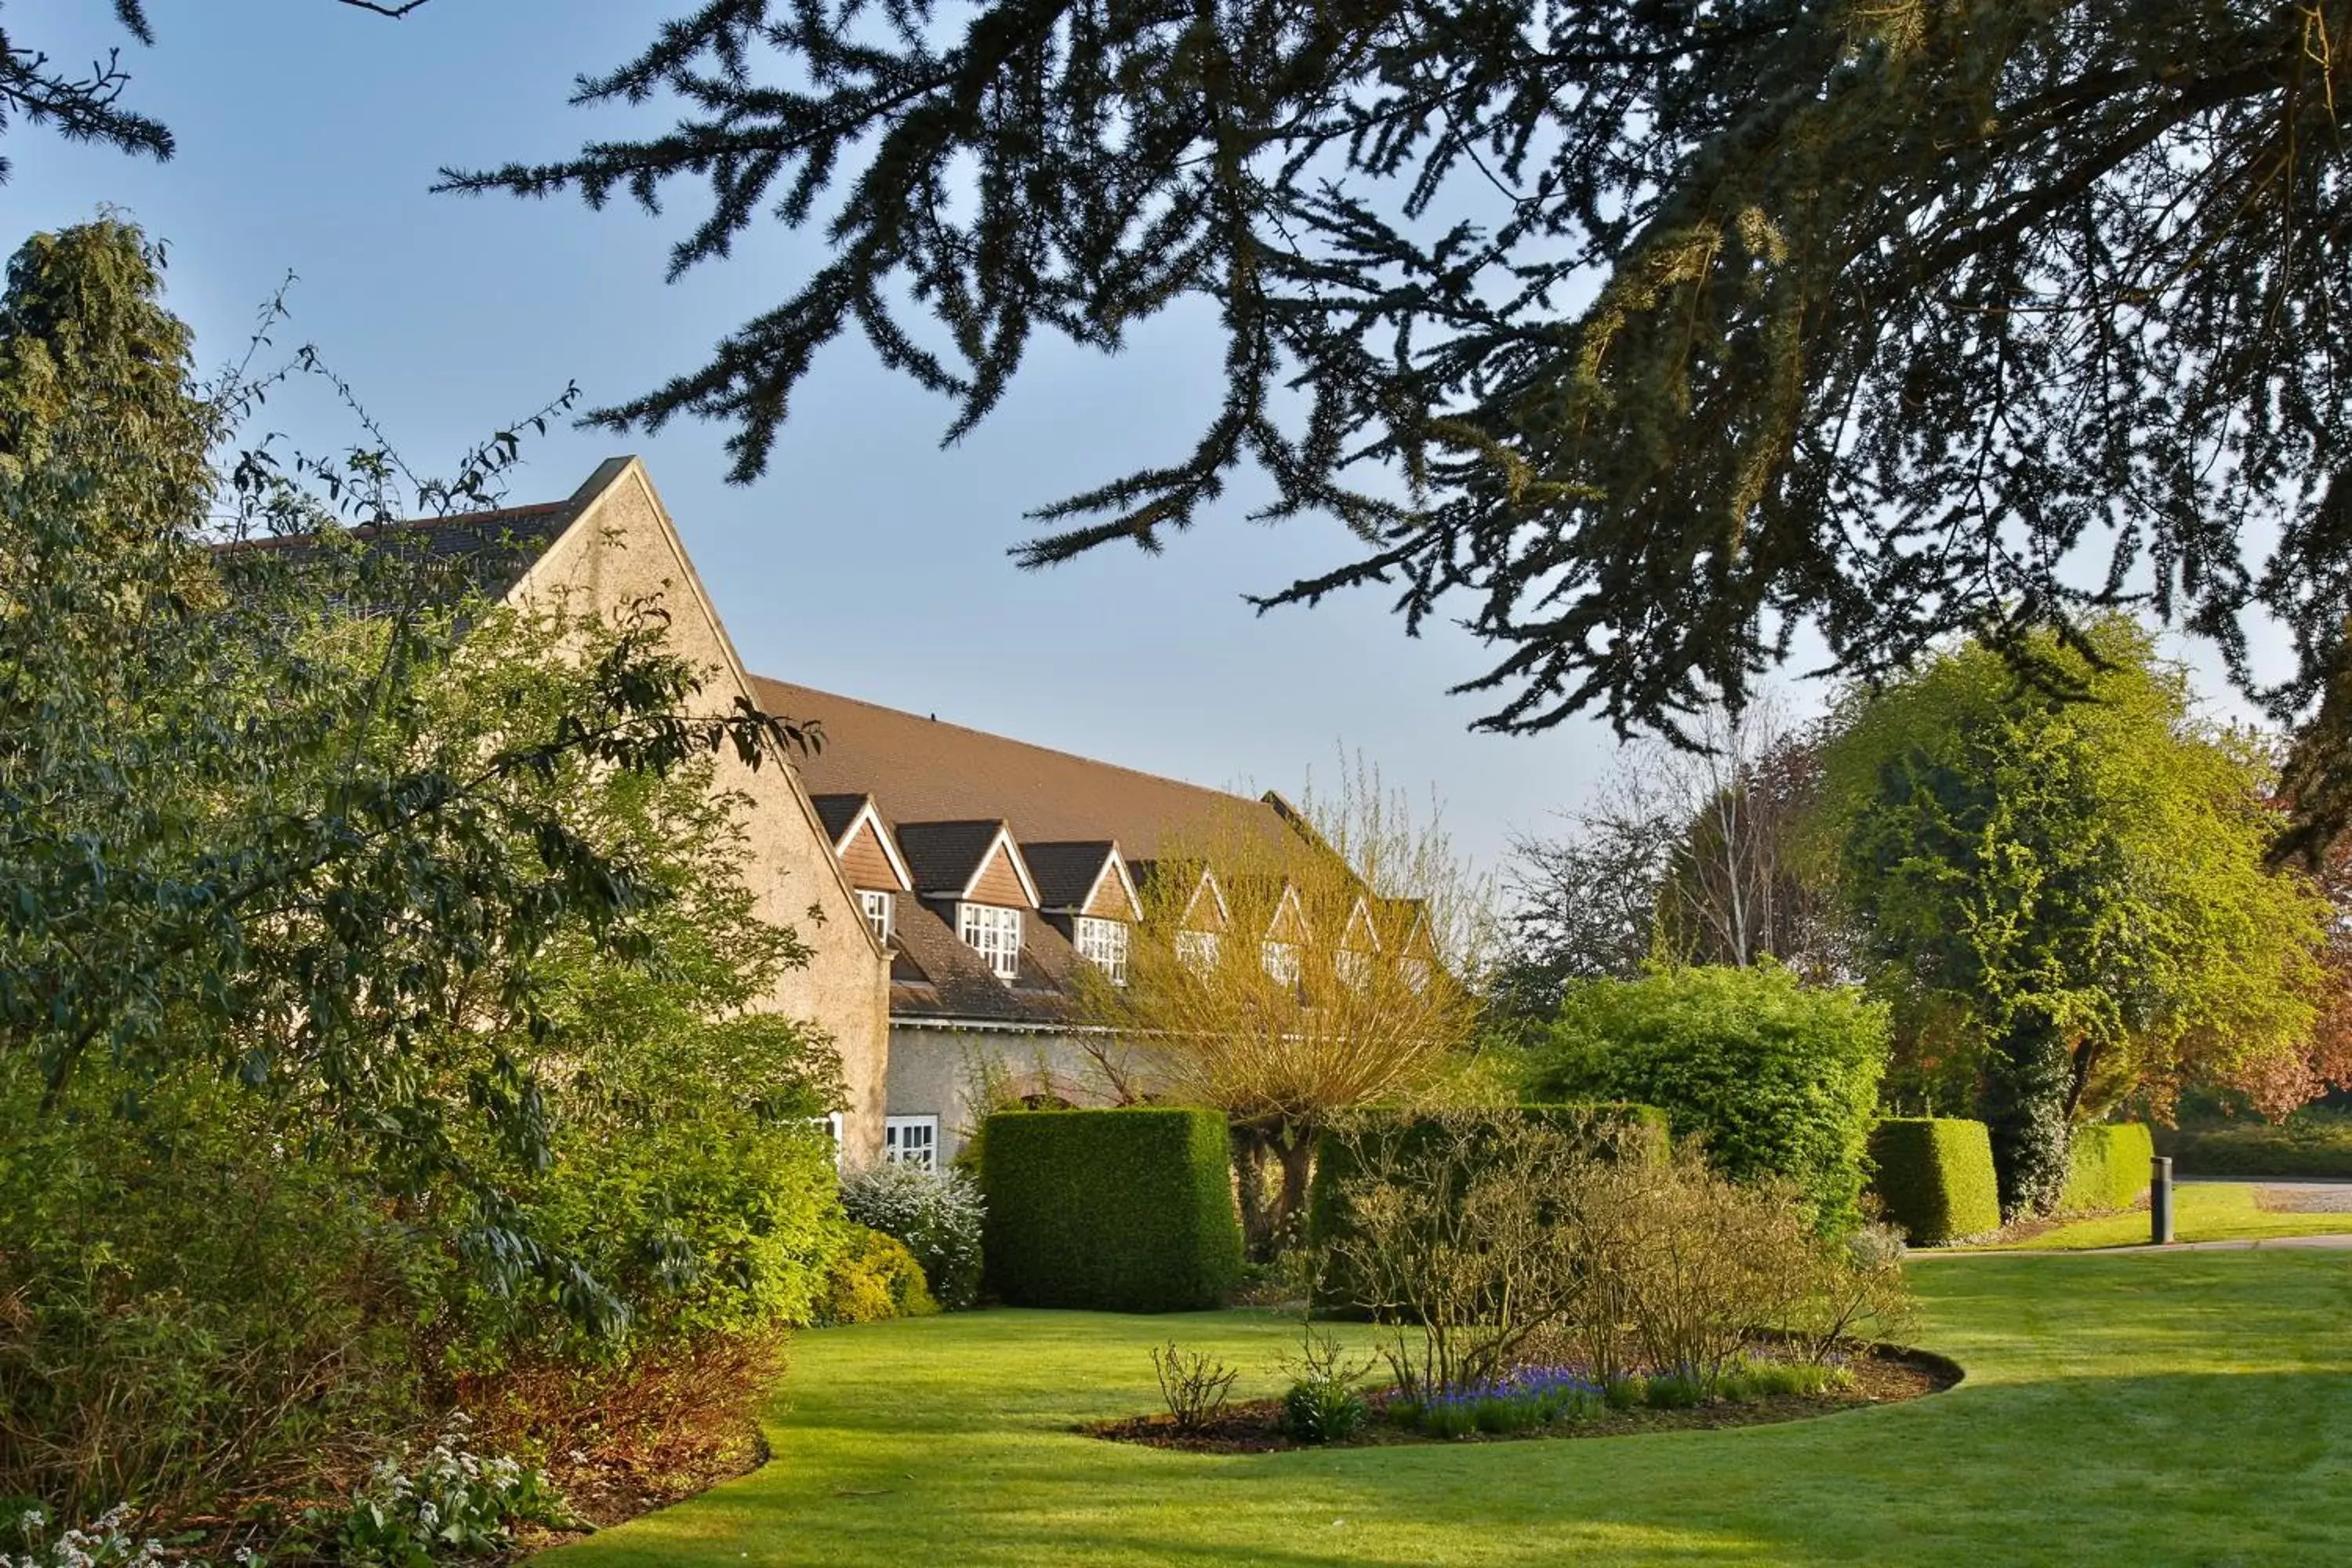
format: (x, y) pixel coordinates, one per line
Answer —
(1881, 1377)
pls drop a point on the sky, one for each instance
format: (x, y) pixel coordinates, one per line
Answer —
(869, 561)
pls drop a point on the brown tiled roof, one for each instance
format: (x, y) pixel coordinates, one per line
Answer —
(936, 975)
(1066, 873)
(921, 770)
(485, 551)
(837, 812)
(942, 856)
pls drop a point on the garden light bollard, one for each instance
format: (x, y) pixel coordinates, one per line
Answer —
(2159, 1201)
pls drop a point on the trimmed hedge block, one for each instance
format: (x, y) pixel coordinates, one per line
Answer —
(1935, 1175)
(1125, 1211)
(2107, 1167)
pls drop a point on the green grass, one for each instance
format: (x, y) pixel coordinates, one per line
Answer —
(2194, 1408)
(2201, 1211)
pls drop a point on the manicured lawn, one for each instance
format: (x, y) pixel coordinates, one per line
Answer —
(2192, 1408)
(2201, 1211)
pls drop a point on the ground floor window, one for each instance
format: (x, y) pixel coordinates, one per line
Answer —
(912, 1140)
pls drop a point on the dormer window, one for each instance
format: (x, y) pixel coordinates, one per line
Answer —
(1354, 969)
(993, 932)
(1416, 973)
(1197, 950)
(1102, 943)
(878, 909)
(1281, 960)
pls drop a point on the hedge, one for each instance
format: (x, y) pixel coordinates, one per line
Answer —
(1935, 1177)
(2107, 1168)
(1127, 1211)
(2307, 1145)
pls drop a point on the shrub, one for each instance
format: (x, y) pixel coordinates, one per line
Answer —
(1129, 1210)
(1476, 1252)
(1324, 1403)
(2308, 1143)
(1779, 1078)
(937, 1215)
(873, 1276)
(1193, 1385)
(2107, 1167)
(1471, 1136)
(1934, 1176)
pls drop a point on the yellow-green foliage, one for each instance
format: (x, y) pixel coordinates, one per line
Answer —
(1130, 1210)
(2108, 1168)
(873, 1276)
(1933, 1174)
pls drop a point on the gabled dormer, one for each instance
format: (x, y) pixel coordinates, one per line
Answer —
(1415, 945)
(870, 857)
(1086, 891)
(1282, 947)
(975, 875)
(1202, 911)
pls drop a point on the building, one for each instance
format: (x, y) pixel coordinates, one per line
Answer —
(612, 546)
(994, 867)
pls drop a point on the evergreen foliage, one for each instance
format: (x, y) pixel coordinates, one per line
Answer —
(1678, 323)
(1935, 1177)
(1129, 1210)
(2069, 899)
(1779, 1078)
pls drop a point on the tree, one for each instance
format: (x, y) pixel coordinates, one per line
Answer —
(1686, 856)
(229, 842)
(2078, 887)
(1654, 330)
(1338, 970)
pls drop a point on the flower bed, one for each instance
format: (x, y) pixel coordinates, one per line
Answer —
(1560, 1402)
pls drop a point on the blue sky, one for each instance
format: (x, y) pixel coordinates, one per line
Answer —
(869, 561)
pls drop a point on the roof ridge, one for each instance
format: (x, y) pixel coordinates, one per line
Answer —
(1011, 740)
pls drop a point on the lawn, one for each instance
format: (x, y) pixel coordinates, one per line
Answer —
(2192, 1408)
(2201, 1211)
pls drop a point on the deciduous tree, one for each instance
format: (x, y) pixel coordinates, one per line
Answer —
(2078, 886)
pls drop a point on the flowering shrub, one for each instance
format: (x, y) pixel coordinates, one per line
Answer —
(105, 1543)
(936, 1213)
(452, 1503)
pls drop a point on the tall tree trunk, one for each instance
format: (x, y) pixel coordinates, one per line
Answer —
(1252, 1144)
(2027, 1084)
(1294, 1147)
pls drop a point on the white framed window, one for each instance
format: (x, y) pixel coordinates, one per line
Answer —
(1103, 943)
(1197, 950)
(1281, 960)
(1416, 973)
(911, 1140)
(879, 909)
(1354, 969)
(994, 933)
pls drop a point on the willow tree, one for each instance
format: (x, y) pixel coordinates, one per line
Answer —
(1651, 331)
(1284, 975)
(2075, 890)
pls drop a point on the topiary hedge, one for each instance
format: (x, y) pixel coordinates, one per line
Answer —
(1126, 1211)
(2106, 1167)
(1935, 1175)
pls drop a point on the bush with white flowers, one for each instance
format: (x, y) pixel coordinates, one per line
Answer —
(936, 1213)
